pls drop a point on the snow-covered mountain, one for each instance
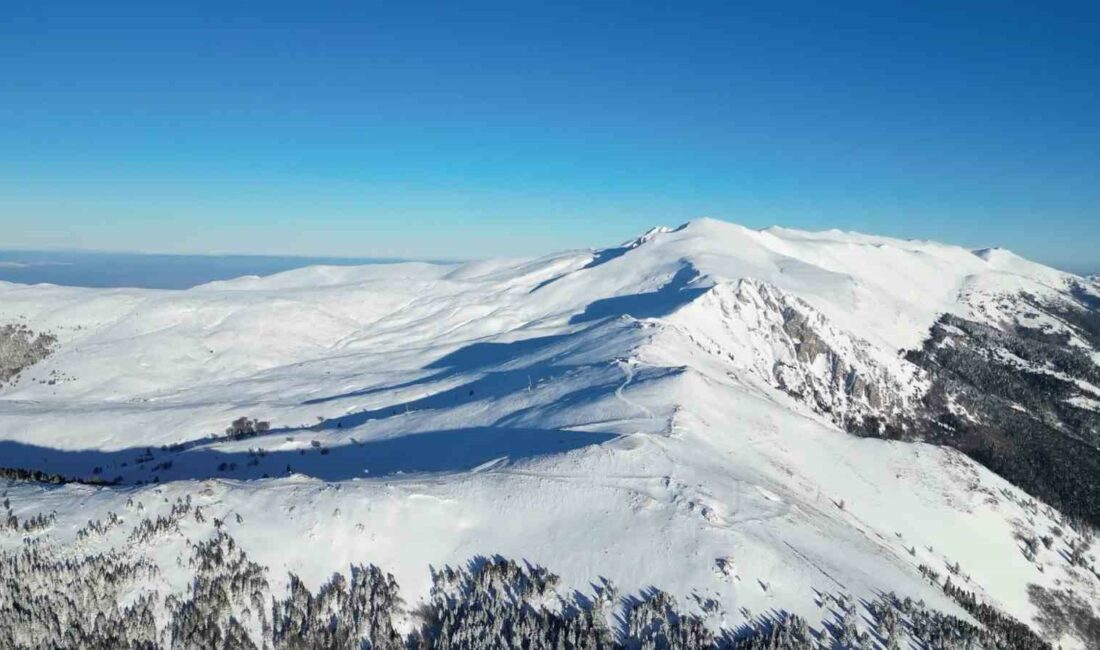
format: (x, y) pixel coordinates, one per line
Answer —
(762, 424)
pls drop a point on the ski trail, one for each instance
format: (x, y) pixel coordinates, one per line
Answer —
(627, 367)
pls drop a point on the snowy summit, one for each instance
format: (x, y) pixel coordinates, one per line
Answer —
(828, 435)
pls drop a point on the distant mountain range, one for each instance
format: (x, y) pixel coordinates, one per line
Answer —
(149, 270)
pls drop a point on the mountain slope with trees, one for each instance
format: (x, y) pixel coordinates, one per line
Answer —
(756, 436)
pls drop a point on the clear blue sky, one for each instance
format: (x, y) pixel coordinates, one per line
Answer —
(460, 129)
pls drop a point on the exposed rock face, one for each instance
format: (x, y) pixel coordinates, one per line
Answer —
(791, 346)
(1019, 393)
(21, 348)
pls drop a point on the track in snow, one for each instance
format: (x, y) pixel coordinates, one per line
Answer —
(627, 367)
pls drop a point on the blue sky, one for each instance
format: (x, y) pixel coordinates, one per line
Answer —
(456, 130)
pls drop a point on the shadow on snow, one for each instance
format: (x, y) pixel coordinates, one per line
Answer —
(651, 304)
(304, 452)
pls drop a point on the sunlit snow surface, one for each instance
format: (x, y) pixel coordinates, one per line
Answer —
(603, 414)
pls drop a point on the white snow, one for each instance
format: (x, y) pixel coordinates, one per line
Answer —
(605, 413)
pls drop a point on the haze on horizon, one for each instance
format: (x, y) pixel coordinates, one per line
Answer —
(434, 131)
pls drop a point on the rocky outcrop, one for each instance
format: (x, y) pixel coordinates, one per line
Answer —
(1017, 387)
(780, 339)
(21, 348)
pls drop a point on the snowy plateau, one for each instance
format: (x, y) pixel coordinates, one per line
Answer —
(708, 436)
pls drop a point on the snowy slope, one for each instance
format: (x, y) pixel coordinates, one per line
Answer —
(670, 412)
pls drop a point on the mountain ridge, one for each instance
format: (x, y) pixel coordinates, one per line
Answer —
(696, 389)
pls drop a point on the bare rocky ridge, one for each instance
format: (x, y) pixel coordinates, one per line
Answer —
(1019, 397)
(790, 345)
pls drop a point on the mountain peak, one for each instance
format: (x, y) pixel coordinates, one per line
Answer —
(710, 388)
